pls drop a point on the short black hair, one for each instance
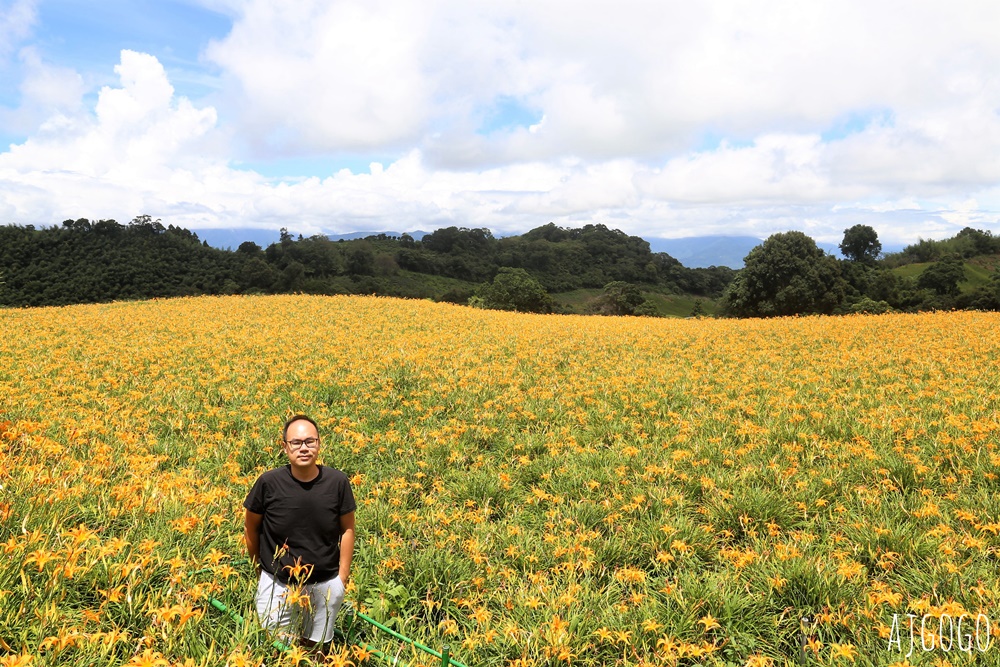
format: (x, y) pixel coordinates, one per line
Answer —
(298, 418)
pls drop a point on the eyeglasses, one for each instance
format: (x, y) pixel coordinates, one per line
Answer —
(309, 443)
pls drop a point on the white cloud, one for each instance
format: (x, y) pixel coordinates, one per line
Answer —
(310, 75)
(16, 22)
(48, 87)
(135, 149)
(777, 167)
(45, 91)
(667, 119)
(632, 79)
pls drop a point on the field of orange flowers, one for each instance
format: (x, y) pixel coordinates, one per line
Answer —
(532, 490)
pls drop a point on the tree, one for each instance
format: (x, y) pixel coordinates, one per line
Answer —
(986, 297)
(861, 244)
(293, 276)
(256, 274)
(870, 306)
(943, 276)
(361, 259)
(146, 225)
(385, 265)
(786, 275)
(972, 242)
(514, 289)
(621, 298)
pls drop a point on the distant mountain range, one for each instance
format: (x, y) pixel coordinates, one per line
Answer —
(703, 251)
(417, 235)
(693, 252)
(232, 238)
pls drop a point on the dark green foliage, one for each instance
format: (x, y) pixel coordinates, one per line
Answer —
(867, 305)
(514, 289)
(466, 254)
(975, 242)
(256, 275)
(560, 259)
(986, 297)
(621, 298)
(943, 276)
(87, 261)
(861, 244)
(456, 295)
(883, 285)
(293, 277)
(786, 275)
(361, 260)
(966, 244)
(84, 261)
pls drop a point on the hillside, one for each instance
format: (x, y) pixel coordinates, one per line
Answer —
(977, 271)
(83, 261)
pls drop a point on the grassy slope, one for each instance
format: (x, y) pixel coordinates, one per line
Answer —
(977, 271)
(668, 305)
(436, 284)
(418, 285)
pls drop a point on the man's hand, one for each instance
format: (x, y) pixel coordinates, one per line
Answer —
(346, 547)
(251, 535)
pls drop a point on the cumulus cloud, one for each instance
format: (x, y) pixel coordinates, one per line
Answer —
(665, 119)
(45, 90)
(137, 147)
(635, 78)
(143, 149)
(16, 21)
(326, 75)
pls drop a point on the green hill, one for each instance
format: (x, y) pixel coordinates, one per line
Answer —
(977, 271)
(86, 262)
(667, 305)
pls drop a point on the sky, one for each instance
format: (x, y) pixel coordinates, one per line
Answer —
(660, 118)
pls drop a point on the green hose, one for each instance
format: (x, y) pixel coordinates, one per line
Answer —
(444, 655)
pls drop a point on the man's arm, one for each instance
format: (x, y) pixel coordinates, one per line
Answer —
(251, 535)
(346, 546)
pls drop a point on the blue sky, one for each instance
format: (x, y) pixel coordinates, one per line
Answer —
(665, 119)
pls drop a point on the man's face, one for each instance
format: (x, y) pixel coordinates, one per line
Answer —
(302, 455)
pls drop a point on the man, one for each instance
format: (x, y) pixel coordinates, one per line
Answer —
(299, 531)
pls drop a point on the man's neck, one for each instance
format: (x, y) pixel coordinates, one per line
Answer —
(307, 474)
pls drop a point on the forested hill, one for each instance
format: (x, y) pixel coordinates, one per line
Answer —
(83, 261)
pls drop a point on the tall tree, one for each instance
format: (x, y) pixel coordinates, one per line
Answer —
(514, 289)
(861, 244)
(943, 276)
(786, 275)
(619, 298)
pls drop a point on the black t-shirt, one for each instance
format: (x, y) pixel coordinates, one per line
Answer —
(302, 516)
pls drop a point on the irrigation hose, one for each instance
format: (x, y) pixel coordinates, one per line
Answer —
(444, 655)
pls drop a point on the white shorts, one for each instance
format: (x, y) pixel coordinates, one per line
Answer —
(311, 616)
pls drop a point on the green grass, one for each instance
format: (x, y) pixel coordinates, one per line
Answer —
(668, 305)
(911, 270)
(977, 271)
(675, 305)
(436, 284)
(577, 299)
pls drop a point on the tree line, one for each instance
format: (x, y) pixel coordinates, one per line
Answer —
(84, 261)
(789, 275)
